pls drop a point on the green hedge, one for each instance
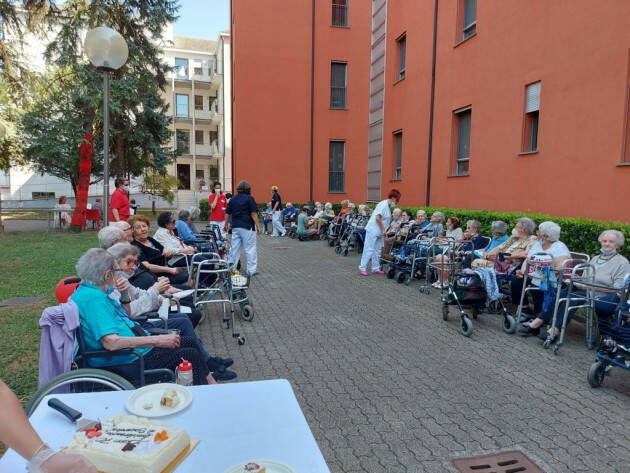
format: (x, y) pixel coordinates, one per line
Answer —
(579, 234)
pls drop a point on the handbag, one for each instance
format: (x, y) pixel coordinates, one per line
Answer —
(502, 264)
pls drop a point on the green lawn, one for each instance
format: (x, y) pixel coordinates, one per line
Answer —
(31, 264)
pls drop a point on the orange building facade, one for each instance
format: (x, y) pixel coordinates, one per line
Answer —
(497, 105)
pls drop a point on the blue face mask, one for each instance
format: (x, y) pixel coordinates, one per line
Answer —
(607, 253)
(109, 289)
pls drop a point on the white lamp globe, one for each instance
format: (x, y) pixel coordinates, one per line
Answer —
(106, 48)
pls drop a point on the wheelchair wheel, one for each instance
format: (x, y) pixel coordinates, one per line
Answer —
(80, 381)
(444, 311)
(331, 243)
(345, 251)
(509, 324)
(475, 312)
(596, 374)
(466, 326)
(338, 250)
(391, 273)
(247, 313)
(401, 278)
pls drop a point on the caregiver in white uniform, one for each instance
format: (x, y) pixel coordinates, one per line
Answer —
(375, 233)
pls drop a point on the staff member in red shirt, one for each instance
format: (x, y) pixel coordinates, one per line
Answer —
(218, 204)
(119, 203)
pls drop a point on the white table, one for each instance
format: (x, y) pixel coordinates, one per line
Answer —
(234, 423)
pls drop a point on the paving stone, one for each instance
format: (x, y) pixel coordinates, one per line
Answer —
(387, 386)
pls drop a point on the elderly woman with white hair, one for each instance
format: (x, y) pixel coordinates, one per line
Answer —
(611, 269)
(548, 242)
(143, 301)
(106, 325)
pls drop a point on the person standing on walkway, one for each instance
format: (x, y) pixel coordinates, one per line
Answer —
(218, 204)
(375, 233)
(276, 216)
(245, 225)
(119, 203)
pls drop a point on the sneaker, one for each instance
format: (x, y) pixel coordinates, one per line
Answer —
(225, 375)
(215, 366)
(363, 273)
(284, 234)
(226, 362)
(544, 335)
(380, 271)
(437, 285)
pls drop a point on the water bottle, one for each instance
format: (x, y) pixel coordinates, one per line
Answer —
(184, 373)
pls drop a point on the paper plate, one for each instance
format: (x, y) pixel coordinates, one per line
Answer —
(239, 281)
(150, 395)
(272, 466)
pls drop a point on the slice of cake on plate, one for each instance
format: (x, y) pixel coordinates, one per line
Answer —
(128, 444)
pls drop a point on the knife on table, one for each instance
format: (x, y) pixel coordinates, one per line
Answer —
(75, 416)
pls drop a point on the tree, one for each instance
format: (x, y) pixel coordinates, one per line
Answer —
(66, 100)
(140, 128)
(160, 185)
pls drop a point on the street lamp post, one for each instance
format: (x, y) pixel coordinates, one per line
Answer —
(107, 51)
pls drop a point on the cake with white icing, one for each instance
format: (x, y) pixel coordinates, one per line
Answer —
(128, 444)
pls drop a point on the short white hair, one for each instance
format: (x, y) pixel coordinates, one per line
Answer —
(93, 265)
(621, 239)
(122, 250)
(194, 212)
(474, 224)
(438, 215)
(421, 211)
(328, 205)
(109, 235)
(550, 229)
(122, 225)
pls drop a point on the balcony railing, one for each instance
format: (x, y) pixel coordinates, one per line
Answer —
(339, 14)
(337, 97)
(336, 181)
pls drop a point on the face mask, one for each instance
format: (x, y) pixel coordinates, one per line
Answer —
(126, 188)
(122, 274)
(607, 253)
(449, 227)
(514, 232)
(109, 289)
(217, 191)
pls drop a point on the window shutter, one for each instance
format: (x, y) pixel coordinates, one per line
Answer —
(532, 102)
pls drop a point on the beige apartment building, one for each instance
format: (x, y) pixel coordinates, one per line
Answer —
(199, 98)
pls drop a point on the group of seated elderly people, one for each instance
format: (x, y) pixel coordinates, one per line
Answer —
(509, 254)
(133, 274)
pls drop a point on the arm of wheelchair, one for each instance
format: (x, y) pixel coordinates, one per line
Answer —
(168, 374)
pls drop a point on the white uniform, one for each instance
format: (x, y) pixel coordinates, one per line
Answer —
(374, 237)
(276, 221)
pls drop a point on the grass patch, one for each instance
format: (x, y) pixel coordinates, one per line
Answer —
(24, 214)
(32, 264)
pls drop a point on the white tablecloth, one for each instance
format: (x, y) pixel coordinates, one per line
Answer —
(234, 423)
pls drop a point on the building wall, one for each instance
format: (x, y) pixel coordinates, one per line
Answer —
(272, 98)
(579, 52)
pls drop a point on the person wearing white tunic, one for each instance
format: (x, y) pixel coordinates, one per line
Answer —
(375, 233)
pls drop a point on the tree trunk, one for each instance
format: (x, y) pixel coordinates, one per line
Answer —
(153, 207)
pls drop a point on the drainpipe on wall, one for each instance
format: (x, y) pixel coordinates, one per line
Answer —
(232, 49)
(310, 188)
(430, 151)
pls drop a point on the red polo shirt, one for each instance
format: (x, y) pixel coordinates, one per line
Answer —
(119, 201)
(217, 214)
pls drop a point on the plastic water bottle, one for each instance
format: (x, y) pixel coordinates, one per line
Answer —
(184, 373)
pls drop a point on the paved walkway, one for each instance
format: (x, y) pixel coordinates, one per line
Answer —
(387, 386)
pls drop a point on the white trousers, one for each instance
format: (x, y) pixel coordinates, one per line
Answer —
(276, 221)
(246, 239)
(221, 225)
(372, 250)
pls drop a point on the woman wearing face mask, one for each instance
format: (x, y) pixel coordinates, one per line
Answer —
(454, 229)
(518, 245)
(106, 325)
(610, 270)
(119, 203)
(375, 231)
(218, 203)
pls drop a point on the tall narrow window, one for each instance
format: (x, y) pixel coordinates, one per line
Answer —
(181, 68)
(402, 49)
(199, 137)
(214, 136)
(340, 12)
(462, 149)
(469, 24)
(181, 105)
(398, 144)
(183, 141)
(183, 175)
(530, 122)
(336, 166)
(198, 102)
(338, 84)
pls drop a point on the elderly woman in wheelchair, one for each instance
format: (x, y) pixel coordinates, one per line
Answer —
(105, 325)
(610, 270)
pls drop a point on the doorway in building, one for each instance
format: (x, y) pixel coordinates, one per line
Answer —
(183, 175)
(201, 180)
